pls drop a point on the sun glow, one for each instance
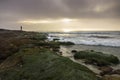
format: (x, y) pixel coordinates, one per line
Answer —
(48, 21)
(66, 20)
(67, 30)
(36, 21)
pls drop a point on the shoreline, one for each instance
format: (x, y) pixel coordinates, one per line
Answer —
(31, 51)
(108, 50)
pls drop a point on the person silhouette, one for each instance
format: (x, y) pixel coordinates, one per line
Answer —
(21, 28)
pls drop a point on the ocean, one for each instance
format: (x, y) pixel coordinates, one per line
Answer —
(111, 38)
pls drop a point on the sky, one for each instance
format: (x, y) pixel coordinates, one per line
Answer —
(60, 15)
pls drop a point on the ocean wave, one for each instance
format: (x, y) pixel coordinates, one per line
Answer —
(87, 40)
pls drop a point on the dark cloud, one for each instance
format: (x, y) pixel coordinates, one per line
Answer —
(60, 8)
(16, 10)
(94, 8)
(32, 8)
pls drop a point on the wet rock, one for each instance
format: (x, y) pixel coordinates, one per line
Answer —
(92, 50)
(90, 62)
(112, 77)
(116, 72)
(74, 51)
(56, 40)
(105, 70)
(60, 53)
(56, 50)
(47, 47)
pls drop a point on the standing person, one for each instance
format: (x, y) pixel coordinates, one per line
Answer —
(21, 28)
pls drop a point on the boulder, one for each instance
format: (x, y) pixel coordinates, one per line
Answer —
(55, 50)
(116, 72)
(105, 70)
(74, 51)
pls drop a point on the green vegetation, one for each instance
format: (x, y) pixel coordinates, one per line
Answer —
(52, 43)
(39, 36)
(29, 56)
(42, 64)
(66, 43)
(96, 58)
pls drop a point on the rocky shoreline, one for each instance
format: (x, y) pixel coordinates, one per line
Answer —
(30, 56)
(106, 71)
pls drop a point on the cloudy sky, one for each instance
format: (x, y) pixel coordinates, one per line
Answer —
(60, 15)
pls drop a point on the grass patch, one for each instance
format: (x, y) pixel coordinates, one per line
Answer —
(39, 36)
(46, 65)
(66, 43)
(52, 43)
(97, 58)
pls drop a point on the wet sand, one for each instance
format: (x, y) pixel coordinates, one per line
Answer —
(66, 50)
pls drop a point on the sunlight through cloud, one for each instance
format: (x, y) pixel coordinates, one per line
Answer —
(67, 30)
(48, 21)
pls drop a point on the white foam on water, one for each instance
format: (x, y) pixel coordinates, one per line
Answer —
(88, 39)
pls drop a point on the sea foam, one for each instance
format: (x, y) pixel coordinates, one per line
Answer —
(88, 39)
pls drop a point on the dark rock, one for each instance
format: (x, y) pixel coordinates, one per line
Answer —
(74, 51)
(60, 53)
(56, 50)
(47, 46)
(92, 50)
(56, 40)
(91, 62)
(116, 71)
(105, 70)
